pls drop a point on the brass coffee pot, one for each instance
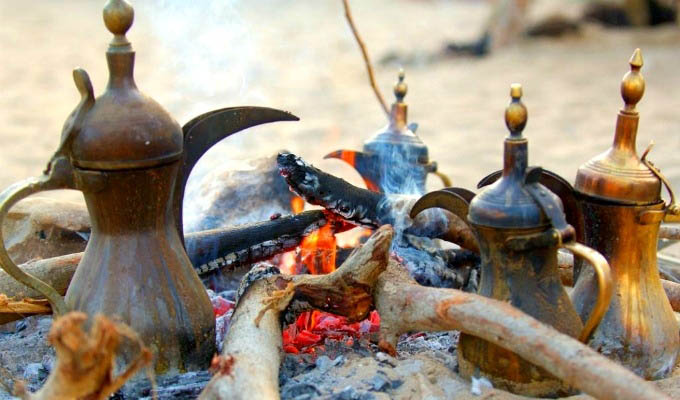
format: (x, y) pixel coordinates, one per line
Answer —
(131, 160)
(395, 160)
(622, 208)
(519, 225)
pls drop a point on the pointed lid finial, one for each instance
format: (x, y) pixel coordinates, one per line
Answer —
(118, 18)
(516, 113)
(633, 83)
(400, 88)
(618, 174)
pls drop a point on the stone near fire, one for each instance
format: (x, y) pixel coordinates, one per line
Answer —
(228, 195)
(40, 227)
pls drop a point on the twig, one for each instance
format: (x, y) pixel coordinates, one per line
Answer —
(367, 60)
(85, 361)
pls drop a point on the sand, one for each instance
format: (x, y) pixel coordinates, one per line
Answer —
(300, 56)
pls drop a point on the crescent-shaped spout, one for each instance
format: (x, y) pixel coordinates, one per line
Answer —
(204, 131)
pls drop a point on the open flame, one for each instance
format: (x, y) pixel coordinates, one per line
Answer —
(318, 251)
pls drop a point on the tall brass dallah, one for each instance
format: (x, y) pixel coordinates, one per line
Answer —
(131, 160)
(519, 225)
(622, 208)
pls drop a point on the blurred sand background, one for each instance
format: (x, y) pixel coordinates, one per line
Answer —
(194, 56)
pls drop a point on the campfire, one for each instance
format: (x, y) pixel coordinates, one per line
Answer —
(341, 292)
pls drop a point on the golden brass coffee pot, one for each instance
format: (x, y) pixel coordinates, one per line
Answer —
(519, 225)
(131, 160)
(622, 208)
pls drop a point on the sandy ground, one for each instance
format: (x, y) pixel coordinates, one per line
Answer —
(300, 56)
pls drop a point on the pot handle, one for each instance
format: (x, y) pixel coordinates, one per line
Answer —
(604, 282)
(59, 176)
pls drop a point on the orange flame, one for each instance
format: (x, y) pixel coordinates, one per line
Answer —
(352, 238)
(297, 204)
(288, 263)
(317, 251)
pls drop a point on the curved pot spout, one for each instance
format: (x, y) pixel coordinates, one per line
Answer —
(204, 131)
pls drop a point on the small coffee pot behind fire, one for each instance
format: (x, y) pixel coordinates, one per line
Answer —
(394, 160)
(620, 198)
(131, 160)
(519, 225)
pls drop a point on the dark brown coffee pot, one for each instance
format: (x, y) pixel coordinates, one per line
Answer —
(519, 225)
(131, 160)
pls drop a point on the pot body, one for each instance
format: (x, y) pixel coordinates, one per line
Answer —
(529, 281)
(135, 266)
(639, 329)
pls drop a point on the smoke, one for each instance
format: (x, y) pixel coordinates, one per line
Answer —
(210, 52)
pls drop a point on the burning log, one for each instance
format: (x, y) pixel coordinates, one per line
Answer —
(366, 208)
(249, 364)
(85, 361)
(209, 251)
(404, 306)
(234, 247)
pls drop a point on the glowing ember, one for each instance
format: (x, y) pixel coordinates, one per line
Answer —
(318, 250)
(221, 305)
(312, 328)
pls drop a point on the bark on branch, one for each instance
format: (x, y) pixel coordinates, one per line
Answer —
(405, 306)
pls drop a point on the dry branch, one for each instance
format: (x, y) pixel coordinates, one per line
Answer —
(405, 306)
(370, 209)
(252, 347)
(364, 53)
(85, 361)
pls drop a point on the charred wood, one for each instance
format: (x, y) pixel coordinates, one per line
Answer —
(367, 208)
(209, 251)
(231, 248)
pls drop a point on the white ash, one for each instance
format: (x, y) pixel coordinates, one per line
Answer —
(363, 372)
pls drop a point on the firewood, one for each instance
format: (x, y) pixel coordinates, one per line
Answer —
(249, 365)
(86, 360)
(405, 306)
(209, 251)
(370, 209)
